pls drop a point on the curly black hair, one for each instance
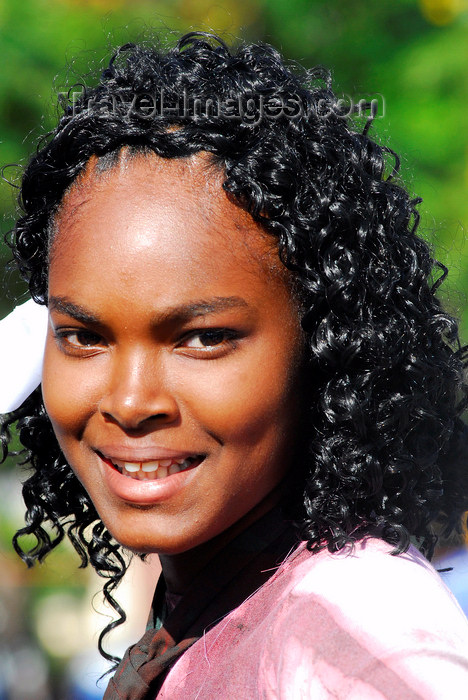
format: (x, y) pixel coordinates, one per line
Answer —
(385, 440)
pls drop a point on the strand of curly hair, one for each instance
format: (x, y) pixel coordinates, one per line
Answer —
(385, 441)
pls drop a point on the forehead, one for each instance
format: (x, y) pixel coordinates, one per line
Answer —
(147, 216)
(163, 197)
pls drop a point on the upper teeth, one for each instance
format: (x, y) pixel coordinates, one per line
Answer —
(152, 465)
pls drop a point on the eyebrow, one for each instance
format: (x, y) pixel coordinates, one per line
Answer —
(175, 314)
(79, 313)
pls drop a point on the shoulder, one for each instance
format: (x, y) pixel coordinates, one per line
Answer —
(367, 580)
(363, 623)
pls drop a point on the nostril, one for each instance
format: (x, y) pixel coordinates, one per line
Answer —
(133, 420)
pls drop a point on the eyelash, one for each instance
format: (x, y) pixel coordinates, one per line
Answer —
(230, 341)
(230, 338)
(63, 337)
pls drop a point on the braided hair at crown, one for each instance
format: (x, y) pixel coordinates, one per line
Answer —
(385, 440)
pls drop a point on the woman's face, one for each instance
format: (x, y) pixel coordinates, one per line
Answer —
(172, 366)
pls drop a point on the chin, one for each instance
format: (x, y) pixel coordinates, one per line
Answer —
(143, 542)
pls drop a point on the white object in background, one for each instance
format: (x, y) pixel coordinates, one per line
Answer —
(22, 341)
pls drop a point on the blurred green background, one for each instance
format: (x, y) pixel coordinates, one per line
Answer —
(413, 54)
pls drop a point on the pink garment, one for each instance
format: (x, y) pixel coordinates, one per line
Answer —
(361, 625)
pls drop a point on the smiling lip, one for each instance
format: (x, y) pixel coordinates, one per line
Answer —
(146, 488)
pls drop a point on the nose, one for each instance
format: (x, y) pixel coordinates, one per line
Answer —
(137, 393)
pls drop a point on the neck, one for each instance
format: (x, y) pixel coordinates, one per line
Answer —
(181, 569)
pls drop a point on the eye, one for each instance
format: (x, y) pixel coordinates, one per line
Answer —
(207, 338)
(78, 341)
(212, 342)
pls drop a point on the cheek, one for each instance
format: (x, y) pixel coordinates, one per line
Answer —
(69, 394)
(250, 407)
